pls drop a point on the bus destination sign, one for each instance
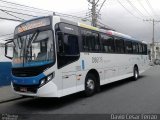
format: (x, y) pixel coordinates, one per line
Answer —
(32, 25)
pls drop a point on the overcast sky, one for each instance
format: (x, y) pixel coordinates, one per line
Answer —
(128, 20)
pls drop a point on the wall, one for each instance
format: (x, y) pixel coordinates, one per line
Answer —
(5, 67)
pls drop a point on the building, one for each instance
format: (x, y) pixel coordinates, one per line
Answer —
(156, 53)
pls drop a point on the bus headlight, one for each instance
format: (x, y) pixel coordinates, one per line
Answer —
(43, 81)
(47, 79)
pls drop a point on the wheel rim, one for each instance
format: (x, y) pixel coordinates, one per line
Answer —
(136, 74)
(90, 84)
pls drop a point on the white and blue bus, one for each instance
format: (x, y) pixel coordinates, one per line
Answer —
(54, 57)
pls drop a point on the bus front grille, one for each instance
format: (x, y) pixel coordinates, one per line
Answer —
(26, 88)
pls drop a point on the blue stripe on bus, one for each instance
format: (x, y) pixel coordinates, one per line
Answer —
(5, 73)
(83, 65)
(35, 80)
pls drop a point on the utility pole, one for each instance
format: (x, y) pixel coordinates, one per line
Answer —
(94, 15)
(153, 34)
(153, 52)
(94, 10)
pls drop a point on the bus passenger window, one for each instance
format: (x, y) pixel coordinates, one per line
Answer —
(145, 49)
(90, 41)
(86, 40)
(135, 48)
(140, 48)
(84, 43)
(119, 45)
(108, 43)
(71, 44)
(128, 47)
(97, 43)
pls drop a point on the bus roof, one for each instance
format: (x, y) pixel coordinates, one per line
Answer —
(108, 32)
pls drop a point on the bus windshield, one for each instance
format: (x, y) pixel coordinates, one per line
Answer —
(34, 49)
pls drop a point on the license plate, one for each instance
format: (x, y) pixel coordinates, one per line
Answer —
(23, 89)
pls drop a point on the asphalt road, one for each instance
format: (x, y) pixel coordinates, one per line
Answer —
(141, 96)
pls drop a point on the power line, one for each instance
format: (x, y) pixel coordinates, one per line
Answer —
(61, 14)
(18, 13)
(101, 6)
(83, 11)
(128, 10)
(134, 7)
(67, 15)
(150, 6)
(57, 13)
(105, 26)
(22, 5)
(11, 14)
(15, 4)
(6, 35)
(23, 9)
(84, 14)
(11, 19)
(97, 2)
(143, 7)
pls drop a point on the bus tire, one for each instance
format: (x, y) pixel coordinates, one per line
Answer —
(90, 85)
(135, 73)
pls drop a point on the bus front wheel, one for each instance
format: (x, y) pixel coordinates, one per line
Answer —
(90, 85)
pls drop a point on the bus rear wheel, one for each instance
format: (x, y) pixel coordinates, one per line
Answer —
(90, 85)
(135, 73)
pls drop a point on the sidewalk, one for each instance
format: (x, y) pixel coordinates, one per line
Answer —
(6, 94)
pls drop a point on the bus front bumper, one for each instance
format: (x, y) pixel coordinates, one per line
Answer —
(47, 90)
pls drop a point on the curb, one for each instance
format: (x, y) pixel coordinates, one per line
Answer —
(11, 99)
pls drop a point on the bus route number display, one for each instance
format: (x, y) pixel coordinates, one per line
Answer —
(96, 59)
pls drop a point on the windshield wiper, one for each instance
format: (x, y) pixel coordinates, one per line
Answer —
(31, 39)
(19, 42)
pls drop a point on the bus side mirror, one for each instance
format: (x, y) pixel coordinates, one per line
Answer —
(60, 43)
(9, 49)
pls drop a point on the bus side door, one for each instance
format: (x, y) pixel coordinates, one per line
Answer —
(67, 57)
